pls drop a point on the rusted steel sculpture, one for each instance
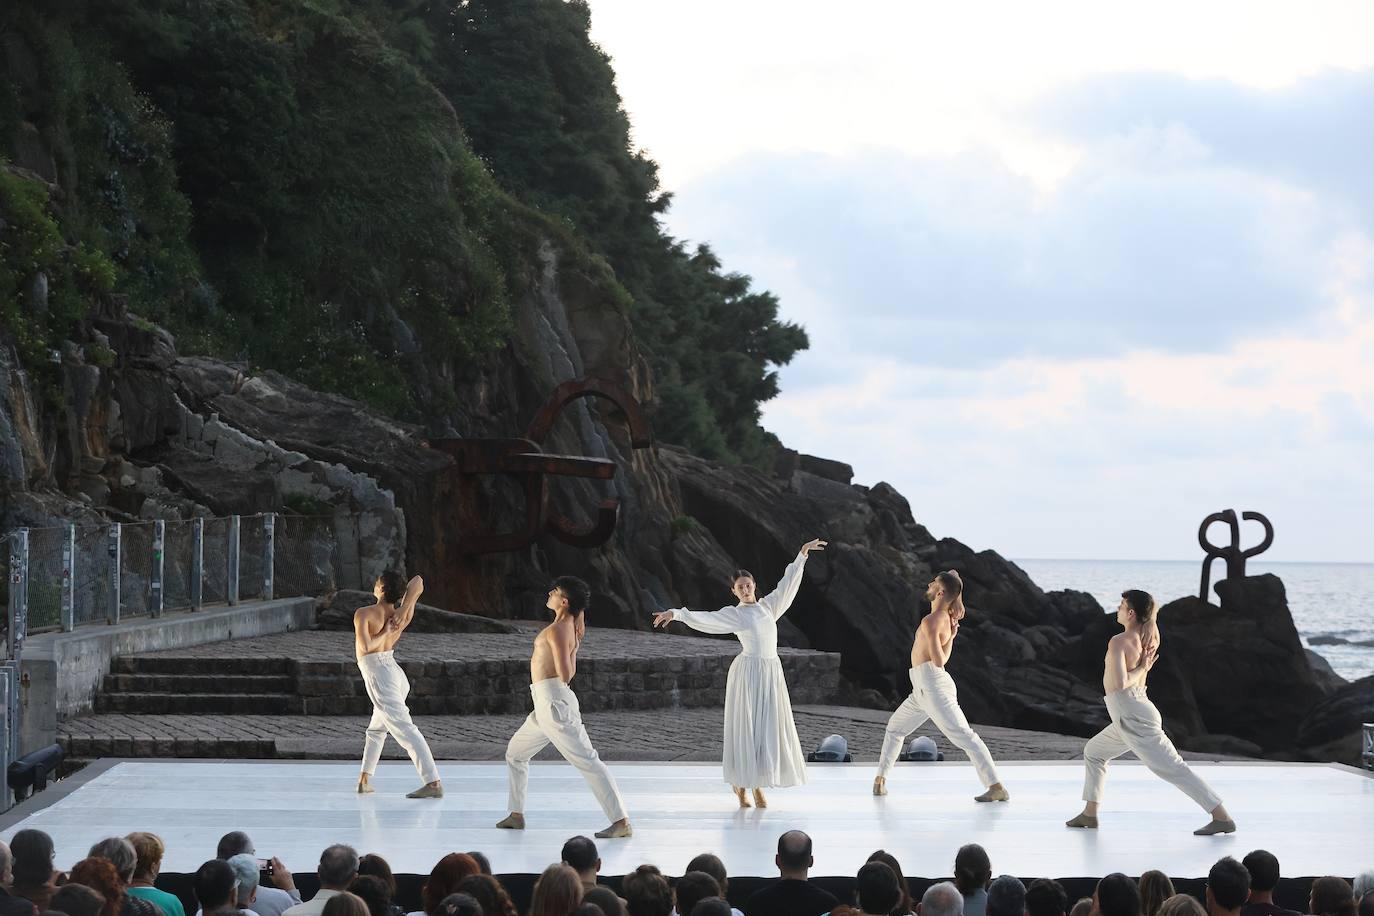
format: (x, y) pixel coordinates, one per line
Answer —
(525, 460)
(1233, 555)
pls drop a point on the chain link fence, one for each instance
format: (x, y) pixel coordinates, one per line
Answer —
(308, 555)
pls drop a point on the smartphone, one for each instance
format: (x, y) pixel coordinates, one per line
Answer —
(265, 866)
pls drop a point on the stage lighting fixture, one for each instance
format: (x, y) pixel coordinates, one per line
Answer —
(30, 773)
(832, 749)
(921, 748)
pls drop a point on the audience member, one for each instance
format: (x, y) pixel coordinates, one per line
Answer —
(580, 854)
(557, 892)
(1116, 895)
(148, 850)
(1083, 907)
(647, 892)
(372, 891)
(493, 897)
(460, 904)
(1264, 877)
(588, 909)
(972, 874)
(1228, 887)
(692, 888)
(941, 899)
(1362, 885)
(1182, 905)
(792, 894)
(9, 904)
(1047, 897)
(1332, 896)
(903, 907)
(877, 892)
(337, 869)
(246, 876)
(1006, 897)
(344, 903)
(711, 906)
(713, 866)
(119, 852)
(216, 888)
(34, 877)
(444, 879)
(100, 874)
(1366, 905)
(483, 863)
(272, 900)
(610, 902)
(1155, 888)
(374, 866)
(77, 900)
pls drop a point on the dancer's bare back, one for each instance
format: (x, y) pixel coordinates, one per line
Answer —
(1129, 659)
(378, 627)
(934, 639)
(555, 650)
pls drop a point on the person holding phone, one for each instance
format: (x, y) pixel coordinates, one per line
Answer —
(376, 630)
(761, 745)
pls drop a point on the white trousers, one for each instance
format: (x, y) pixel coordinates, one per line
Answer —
(557, 719)
(387, 688)
(1137, 727)
(934, 697)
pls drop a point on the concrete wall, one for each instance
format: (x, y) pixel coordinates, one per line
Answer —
(64, 670)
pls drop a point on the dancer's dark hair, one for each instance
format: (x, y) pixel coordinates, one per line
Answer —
(952, 583)
(1141, 602)
(393, 586)
(578, 592)
(741, 574)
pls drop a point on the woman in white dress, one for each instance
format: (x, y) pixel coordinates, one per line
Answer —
(761, 745)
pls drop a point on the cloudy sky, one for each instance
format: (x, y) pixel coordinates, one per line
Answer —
(1074, 277)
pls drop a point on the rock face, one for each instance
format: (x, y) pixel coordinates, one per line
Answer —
(336, 610)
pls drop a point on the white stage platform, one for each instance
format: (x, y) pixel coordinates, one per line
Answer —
(1318, 819)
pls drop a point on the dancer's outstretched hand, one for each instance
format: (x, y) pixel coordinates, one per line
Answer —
(663, 618)
(809, 546)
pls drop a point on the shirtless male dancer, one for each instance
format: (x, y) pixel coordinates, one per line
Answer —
(933, 695)
(557, 717)
(1136, 724)
(376, 630)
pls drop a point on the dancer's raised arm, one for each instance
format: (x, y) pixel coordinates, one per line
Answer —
(780, 599)
(725, 620)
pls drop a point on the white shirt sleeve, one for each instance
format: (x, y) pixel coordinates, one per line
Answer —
(780, 599)
(725, 620)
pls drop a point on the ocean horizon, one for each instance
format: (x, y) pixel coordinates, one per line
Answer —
(1329, 601)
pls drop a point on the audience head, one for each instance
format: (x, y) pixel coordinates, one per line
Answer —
(794, 853)
(215, 885)
(711, 906)
(587, 909)
(942, 899)
(149, 849)
(1047, 897)
(443, 880)
(77, 900)
(6, 865)
(646, 892)
(877, 889)
(373, 865)
(1182, 905)
(972, 868)
(1228, 886)
(373, 892)
(1117, 895)
(713, 866)
(1364, 882)
(579, 854)
(1006, 897)
(338, 866)
(99, 874)
(246, 874)
(119, 852)
(1264, 871)
(31, 852)
(557, 892)
(234, 843)
(460, 905)
(1082, 907)
(1331, 896)
(1366, 905)
(344, 904)
(888, 859)
(1155, 888)
(482, 861)
(604, 897)
(487, 891)
(693, 887)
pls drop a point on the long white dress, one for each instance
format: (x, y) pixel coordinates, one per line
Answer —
(761, 745)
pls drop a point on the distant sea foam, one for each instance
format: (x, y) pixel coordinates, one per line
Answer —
(1328, 600)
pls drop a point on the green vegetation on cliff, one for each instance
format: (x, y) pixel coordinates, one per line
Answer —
(291, 182)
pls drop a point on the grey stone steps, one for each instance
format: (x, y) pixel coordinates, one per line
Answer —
(200, 665)
(262, 704)
(198, 683)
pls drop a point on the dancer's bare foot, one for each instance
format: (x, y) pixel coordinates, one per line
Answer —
(759, 800)
(995, 793)
(880, 785)
(743, 796)
(620, 828)
(428, 790)
(512, 821)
